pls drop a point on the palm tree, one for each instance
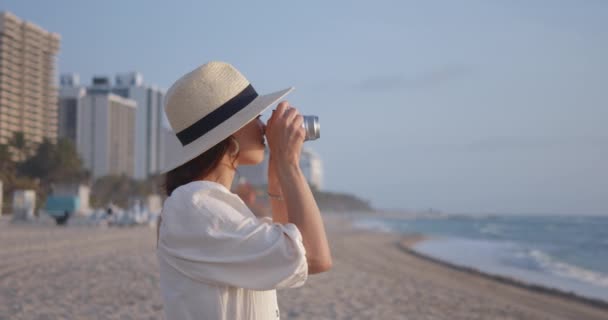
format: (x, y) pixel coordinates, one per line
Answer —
(7, 166)
(20, 144)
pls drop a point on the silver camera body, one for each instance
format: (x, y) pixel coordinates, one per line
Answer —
(312, 127)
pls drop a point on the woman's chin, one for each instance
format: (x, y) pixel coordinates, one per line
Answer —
(259, 160)
(252, 161)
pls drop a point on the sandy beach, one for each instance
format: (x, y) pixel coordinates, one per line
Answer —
(47, 272)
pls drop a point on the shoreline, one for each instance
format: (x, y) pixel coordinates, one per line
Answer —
(408, 241)
(420, 286)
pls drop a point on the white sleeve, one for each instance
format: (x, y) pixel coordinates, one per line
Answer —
(212, 240)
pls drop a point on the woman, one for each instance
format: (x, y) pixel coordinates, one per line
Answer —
(217, 260)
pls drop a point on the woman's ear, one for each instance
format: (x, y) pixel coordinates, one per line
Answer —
(234, 147)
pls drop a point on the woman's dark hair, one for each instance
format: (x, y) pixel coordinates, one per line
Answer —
(196, 168)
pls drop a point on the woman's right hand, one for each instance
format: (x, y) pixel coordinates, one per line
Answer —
(285, 134)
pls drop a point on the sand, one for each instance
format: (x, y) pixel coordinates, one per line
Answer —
(48, 272)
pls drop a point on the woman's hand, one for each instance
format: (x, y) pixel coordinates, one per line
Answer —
(285, 134)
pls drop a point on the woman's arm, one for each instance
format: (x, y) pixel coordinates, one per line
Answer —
(304, 213)
(277, 206)
(285, 136)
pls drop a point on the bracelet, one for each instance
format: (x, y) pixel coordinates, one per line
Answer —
(275, 196)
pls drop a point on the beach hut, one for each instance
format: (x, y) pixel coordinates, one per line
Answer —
(74, 190)
(24, 204)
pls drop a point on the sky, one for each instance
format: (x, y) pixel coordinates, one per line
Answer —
(460, 106)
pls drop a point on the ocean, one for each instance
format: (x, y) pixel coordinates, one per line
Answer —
(569, 253)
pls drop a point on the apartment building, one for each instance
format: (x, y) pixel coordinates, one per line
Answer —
(28, 92)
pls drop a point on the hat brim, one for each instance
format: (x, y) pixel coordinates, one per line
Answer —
(221, 132)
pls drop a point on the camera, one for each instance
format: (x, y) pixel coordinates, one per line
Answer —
(312, 127)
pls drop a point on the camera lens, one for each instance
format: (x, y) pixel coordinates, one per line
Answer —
(312, 127)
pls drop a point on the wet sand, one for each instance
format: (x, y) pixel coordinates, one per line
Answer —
(47, 272)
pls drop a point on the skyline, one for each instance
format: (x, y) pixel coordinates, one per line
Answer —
(491, 107)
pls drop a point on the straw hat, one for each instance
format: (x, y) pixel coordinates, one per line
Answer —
(209, 104)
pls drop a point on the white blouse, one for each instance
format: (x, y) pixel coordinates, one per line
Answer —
(219, 261)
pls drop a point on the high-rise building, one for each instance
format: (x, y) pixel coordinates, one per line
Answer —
(70, 97)
(28, 94)
(148, 153)
(106, 131)
(312, 168)
(149, 148)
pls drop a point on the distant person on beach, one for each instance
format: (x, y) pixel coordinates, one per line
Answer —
(63, 219)
(217, 260)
